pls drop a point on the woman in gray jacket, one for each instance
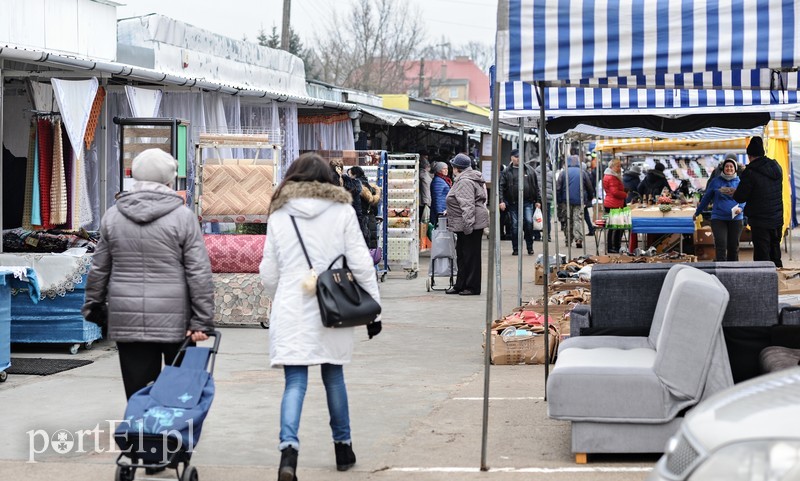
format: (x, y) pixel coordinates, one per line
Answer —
(150, 277)
(467, 216)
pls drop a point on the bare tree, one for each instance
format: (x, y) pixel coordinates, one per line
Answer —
(480, 53)
(368, 49)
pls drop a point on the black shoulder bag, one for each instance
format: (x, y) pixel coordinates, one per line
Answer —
(342, 302)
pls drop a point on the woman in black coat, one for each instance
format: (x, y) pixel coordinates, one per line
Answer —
(654, 182)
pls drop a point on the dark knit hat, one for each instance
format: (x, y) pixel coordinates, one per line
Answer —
(660, 167)
(756, 147)
(461, 162)
(515, 153)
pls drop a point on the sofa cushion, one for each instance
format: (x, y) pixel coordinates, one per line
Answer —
(235, 253)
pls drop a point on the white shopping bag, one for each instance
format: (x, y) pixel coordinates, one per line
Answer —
(538, 219)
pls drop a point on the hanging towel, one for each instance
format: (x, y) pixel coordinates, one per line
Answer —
(94, 116)
(45, 169)
(27, 206)
(68, 173)
(58, 184)
(36, 206)
(82, 208)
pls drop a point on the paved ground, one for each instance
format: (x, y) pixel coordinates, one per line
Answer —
(415, 397)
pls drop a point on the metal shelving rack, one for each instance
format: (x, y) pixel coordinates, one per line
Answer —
(402, 196)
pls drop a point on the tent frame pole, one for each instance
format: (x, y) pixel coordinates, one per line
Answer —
(491, 275)
(546, 262)
(2, 116)
(520, 205)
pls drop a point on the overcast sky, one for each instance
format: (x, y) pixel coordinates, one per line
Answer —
(460, 21)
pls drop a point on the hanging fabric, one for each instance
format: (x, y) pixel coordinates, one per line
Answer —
(94, 117)
(143, 102)
(42, 96)
(45, 169)
(75, 99)
(27, 206)
(69, 160)
(58, 184)
(36, 212)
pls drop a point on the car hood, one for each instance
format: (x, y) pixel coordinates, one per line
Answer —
(766, 407)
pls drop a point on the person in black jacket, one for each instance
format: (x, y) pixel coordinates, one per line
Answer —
(509, 200)
(370, 198)
(761, 186)
(631, 180)
(654, 182)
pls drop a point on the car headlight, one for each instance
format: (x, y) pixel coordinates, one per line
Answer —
(752, 461)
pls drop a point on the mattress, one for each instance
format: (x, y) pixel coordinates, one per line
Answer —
(236, 253)
(231, 190)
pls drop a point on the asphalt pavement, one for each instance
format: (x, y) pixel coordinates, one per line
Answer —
(415, 393)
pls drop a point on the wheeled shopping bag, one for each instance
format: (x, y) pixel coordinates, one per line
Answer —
(163, 421)
(443, 256)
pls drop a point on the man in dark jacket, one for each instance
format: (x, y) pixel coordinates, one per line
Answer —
(761, 186)
(654, 182)
(509, 200)
(631, 180)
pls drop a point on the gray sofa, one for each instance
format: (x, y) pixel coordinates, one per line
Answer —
(624, 298)
(625, 394)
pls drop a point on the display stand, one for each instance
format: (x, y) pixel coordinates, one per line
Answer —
(56, 317)
(9, 275)
(139, 134)
(402, 218)
(236, 191)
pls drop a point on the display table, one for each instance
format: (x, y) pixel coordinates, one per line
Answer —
(650, 220)
(56, 318)
(7, 275)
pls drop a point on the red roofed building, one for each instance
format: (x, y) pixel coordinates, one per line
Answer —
(449, 80)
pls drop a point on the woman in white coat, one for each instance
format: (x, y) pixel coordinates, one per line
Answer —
(327, 223)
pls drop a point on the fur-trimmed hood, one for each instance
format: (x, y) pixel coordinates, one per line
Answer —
(309, 199)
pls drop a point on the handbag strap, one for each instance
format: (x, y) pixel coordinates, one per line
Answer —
(300, 238)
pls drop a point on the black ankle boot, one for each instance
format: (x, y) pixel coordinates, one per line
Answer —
(288, 467)
(345, 457)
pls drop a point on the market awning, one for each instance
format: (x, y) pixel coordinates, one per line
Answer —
(707, 44)
(653, 145)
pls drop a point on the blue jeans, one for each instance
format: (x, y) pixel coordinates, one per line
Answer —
(527, 223)
(292, 404)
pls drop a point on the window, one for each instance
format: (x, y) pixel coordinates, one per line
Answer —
(453, 92)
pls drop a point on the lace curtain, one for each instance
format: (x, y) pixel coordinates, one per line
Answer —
(320, 135)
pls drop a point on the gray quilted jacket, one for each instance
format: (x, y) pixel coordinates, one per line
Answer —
(466, 203)
(152, 267)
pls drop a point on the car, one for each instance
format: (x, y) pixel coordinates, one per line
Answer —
(750, 431)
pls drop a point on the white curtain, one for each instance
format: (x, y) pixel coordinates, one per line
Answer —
(291, 146)
(322, 136)
(143, 102)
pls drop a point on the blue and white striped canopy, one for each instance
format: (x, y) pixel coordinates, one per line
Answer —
(522, 99)
(703, 44)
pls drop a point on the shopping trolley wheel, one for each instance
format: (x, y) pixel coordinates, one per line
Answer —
(411, 275)
(383, 277)
(189, 474)
(73, 349)
(3, 376)
(124, 473)
(264, 324)
(428, 285)
(88, 345)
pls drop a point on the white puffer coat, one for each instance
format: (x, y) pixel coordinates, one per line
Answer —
(329, 227)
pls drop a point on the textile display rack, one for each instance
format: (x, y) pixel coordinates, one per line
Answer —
(232, 189)
(403, 212)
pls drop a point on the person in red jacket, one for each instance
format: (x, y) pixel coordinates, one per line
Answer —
(614, 199)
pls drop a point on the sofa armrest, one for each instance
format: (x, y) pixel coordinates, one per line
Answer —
(789, 316)
(580, 317)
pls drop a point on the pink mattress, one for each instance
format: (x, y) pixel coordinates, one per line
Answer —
(235, 253)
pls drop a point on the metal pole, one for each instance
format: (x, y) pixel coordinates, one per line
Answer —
(520, 207)
(556, 220)
(2, 116)
(487, 355)
(570, 220)
(102, 148)
(583, 200)
(546, 287)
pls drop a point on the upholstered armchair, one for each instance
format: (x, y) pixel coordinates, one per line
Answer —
(625, 394)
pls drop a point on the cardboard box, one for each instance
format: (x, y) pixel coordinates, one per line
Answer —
(521, 350)
(538, 275)
(704, 252)
(704, 237)
(788, 281)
